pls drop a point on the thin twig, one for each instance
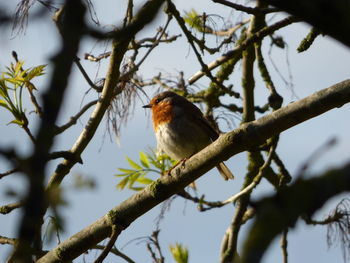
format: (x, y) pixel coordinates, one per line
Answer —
(135, 45)
(224, 241)
(155, 235)
(153, 254)
(116, 252)
(37, 107)
(238, 50)
(155, 241)
(255, 181)
(308, 40)
(172, 9)
(275, 100)
(127, 75)
(5, 209)
(284, 245)
(235, 197)
(228, 32)
(147, 42)
(335, 217)
(85, 75)
(29, 133)
(8, 241)
(246, 9)
(92, 58)
(115, 233)
(73, 119)
(156, 42)
(285, 176)
(66, 155)
(201, 201)
(129, 13)
(14, 170)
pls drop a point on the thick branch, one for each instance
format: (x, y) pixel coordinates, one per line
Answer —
(35, 202)
(248, 135)
(284, 208)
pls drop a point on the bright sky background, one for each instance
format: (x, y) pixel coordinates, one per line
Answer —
(326, 63)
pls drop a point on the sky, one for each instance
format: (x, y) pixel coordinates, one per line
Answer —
(326, 63)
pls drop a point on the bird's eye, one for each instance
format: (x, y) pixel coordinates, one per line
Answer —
(158, 100)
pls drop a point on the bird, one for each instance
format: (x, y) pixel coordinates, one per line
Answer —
(181, 129)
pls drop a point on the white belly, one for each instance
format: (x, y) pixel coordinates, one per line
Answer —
(183, 143)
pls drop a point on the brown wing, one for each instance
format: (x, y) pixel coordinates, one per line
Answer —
(198, 117)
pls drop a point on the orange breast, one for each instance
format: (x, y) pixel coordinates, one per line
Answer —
(161, 113)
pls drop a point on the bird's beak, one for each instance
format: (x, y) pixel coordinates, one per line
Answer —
(147, 106)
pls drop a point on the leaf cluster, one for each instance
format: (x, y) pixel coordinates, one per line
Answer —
(12, 83)
(137, 176)
(179, 253)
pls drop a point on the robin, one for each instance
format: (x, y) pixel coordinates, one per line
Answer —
(181, 129)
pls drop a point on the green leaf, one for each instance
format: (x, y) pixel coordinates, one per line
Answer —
(133, 164)
(35, 72)
(121, 175)
(3, 88)
(194, 20)
(136, 188)
(4, 104)
(18, 122)
(121, 185)
(18, 68)
(144, 180)
(126, 171)
(136, 176)
(179, 252)
(132, 179)
(22, 75)
(144, 160)
(15, 81)
(3, 93)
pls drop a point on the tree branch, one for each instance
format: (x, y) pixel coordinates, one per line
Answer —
(12, 171)
(8, 241)
(116, 252)
(244, 138)
(246, 9)
(35, 203)
(249, 188)
(239, 49)
(5, 209)
(73, 119)
(107, 249)
(285, 207)
(284, 245)
(331, 17)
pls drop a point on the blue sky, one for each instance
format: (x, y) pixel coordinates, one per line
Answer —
(326, 63)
